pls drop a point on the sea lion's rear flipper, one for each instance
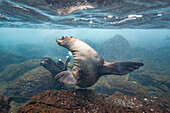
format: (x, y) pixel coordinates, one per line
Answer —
(66, 77)
(120, 68)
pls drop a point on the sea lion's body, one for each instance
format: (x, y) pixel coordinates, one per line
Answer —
(89, 66)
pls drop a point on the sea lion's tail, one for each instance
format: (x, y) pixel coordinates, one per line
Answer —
(120, 68)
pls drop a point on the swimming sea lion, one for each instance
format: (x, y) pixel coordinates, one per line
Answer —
(89, 66)
(55, 68)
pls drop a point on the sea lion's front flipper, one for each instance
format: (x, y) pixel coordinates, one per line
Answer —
(60, 64)
(66, 77)
(66, 63)
(120, 68)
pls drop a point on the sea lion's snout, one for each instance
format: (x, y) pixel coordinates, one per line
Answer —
(42, 63)
(45, 61)
(59, 41)
(66, 41)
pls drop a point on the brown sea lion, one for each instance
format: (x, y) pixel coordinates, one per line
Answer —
(89, 66)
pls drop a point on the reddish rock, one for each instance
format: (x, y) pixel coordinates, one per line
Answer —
(85, 100)
(78, 101)
(146, 105)
(4, 104)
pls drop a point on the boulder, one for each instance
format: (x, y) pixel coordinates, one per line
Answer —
(69, 101)
(115, 49)
(13, 71)
(9, 58)
(86, 100)
(113, 84)
(155, 84)
(32, 82)
(5, 104)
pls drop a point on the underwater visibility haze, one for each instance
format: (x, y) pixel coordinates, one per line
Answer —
(119, 30)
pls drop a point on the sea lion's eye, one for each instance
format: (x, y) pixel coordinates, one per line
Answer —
(71, 36)
(62, 37)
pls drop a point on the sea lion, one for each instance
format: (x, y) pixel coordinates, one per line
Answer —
(55, 68)
(89, 66)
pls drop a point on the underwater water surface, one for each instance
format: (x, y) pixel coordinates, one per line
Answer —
(119, 30)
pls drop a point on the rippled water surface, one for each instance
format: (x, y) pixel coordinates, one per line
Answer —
(63, 14)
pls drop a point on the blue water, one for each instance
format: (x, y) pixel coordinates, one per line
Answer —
(145, 38)
(29, 29)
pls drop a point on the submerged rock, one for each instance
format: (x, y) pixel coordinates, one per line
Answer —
(5, 104)
(9, 58)
(111, 85)
(155, 84)
(146, 105)
(116, 48)
(29, 78)
(32, 82)
(86, 100)
(69, 101)
(13, 71)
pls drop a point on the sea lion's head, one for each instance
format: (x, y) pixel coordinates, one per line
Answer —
(51, 66)
(66, 41)
(46, 62)
(49, 63)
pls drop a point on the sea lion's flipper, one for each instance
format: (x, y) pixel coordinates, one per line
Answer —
(66, 63)
(50, 65)
(120, 68)
(66, 77)
(60, 64)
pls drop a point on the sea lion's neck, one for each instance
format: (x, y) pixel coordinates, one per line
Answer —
(79, 46)
(79, 50)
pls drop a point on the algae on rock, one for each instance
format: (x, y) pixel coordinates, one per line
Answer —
(32, 82)
(13, 71)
